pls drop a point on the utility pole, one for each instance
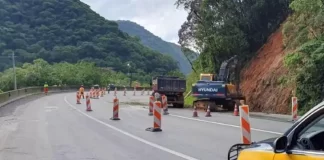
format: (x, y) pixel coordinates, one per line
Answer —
(14, 70)
(12, 56)
(130, 75)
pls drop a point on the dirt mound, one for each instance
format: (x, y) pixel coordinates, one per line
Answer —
(260, 79)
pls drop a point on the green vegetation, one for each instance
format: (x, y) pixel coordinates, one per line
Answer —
(63, 73)
(39, 72)
(156, 43)
(223, 28)
(69, 31)
(304, 34)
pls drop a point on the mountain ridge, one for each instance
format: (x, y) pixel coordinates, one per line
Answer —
(156, 43)
(71, 31)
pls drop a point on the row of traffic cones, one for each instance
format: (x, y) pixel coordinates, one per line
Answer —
(208, 113)
(195, 112)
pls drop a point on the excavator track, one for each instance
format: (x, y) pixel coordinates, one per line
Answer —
(204, 103)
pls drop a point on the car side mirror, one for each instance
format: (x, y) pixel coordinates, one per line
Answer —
(280, 144)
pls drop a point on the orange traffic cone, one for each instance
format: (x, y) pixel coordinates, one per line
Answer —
(236, 113)
(208, 112)
(195, 113)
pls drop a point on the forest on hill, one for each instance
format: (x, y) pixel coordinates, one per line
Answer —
(69, 31)
(156, 43)
(304, 42)
(220, 29)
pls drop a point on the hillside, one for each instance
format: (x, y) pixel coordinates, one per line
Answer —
(156, 43)
(261, 80)
(70, 31)
(290, 64)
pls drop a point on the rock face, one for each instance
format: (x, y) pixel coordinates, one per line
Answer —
(260, 80)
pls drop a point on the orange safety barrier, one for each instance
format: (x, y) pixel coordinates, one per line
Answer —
(115, 109)
(151, 101)
(294, 108)
(245, 124)
(165, 105)
(91, 93)
(78, 97)
(102, 93)
(97, 93)
(88, 104)
(157, 118)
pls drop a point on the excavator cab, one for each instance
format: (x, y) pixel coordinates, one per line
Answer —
(207, 77)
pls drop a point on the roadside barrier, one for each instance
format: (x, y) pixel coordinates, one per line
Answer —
(101, 93)
(88, 103)
(208, 112)
(14, 95)
(245, 124)
(157, 118)
(165, 105)
(97, 93)
(151, 101)
(294, 108)
(115, 109)
(78, 97)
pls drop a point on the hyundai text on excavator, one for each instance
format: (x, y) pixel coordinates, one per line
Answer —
(219, 92)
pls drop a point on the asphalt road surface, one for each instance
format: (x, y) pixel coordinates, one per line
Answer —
(54, 127)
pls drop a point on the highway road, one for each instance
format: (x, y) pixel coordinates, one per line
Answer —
(54, 127)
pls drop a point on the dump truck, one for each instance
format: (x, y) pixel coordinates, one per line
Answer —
(172, 87)
(219, 92)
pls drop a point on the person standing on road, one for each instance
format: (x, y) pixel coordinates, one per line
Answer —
(45, 88)
(82, 91)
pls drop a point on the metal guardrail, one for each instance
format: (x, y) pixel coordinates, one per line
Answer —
(10, 96)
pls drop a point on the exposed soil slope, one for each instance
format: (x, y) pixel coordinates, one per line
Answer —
(260, 79)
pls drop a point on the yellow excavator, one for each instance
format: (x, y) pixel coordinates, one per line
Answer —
(219, 92)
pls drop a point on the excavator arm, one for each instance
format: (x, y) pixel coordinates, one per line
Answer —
(227, 68)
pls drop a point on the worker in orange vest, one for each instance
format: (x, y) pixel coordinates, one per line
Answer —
(45, 88)
(81, 90)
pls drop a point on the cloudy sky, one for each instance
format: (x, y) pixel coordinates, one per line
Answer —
(161, 17)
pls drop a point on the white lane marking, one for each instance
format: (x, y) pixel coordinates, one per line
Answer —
(218, 123)
(133, 136)
(224, 124)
